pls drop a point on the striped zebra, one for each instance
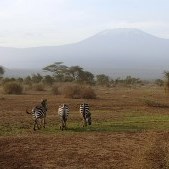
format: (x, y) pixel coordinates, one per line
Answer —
(39, 113)
(63, 112)
(84, 110)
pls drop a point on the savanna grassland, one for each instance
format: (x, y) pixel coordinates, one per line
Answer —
(130, 130)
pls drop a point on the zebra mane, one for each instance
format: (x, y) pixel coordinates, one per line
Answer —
(63, 105)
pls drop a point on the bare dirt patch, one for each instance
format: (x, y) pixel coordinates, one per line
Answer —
(80, 150)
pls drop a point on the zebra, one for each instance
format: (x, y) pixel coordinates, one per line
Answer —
(39, 113)
(84, 110)
(63, 112)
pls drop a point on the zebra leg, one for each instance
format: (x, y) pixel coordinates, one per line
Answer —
(65, 125)
(39, 124)
(84, 123)
(61, 125)
(44, 123)
(35, 124)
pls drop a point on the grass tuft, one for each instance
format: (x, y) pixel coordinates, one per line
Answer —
(153, 103)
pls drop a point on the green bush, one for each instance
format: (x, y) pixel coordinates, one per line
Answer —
(12, 88)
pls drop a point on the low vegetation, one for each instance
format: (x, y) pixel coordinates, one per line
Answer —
(78, 92)
(38, 87)
(55, 90)
(12, 88)
(154, 103)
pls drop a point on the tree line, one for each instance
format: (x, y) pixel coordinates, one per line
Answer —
(58, 72)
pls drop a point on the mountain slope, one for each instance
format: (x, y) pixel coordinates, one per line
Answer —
(111, 49)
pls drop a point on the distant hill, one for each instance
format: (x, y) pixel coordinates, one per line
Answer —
(21, 72)
(130, 50)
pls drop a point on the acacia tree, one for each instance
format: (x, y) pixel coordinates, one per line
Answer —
(159, 82)
(36, 78)
(81, 76)
(2, 71)
(102, 80)
(131, 80)
(73, 73)
(28, 80)
(48, 80)
(58, 69)
(87, 77)
(166, 81)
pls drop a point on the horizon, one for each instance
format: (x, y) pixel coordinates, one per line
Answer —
(143, 74)
(25, 24)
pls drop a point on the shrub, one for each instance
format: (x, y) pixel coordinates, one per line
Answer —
(38, 87)
(153, 103)
(159, 82)
(12, 88)
(78, 92)
(48, 80)
(55, 90)
(8, 80)
(70, 91)
(88, 93)
(28, 80)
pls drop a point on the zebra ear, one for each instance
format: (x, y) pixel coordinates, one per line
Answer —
(42, 99)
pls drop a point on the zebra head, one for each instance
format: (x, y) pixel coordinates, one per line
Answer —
(44, 103)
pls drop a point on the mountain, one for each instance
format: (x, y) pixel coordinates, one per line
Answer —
(130, 51)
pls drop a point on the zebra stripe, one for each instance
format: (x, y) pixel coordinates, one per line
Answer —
(39, 113)
(63, 112)
(85, 112)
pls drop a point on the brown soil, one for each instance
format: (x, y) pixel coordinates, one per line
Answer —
(81, 150)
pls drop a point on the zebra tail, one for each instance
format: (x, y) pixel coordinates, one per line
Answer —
(27, 112)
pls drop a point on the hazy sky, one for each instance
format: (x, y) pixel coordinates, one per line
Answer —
(26, 23)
